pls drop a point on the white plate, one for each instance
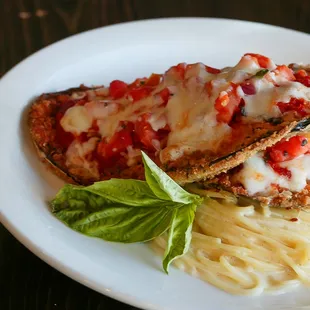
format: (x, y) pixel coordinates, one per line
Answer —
(130, 273)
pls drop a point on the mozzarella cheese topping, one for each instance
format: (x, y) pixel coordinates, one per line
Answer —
(257, 176)
(190, 111)
(262, 104)
(76, 120)
(76, 156)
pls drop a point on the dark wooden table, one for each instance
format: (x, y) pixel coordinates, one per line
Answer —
(27, 283)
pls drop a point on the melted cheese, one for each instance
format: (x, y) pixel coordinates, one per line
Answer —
(262, 104)
(292, 90)
(247, 63)
(126, 111)
(76, 156)
(199, 70)
(157, 119)
(300, 169)
(245, 68)
(133, 155)
(190, 111)
(192, 118)
(257, 177)
(76, 120)
(101, 109)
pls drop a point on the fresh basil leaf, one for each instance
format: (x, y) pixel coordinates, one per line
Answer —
(70, 216)
(131, 211)
(130, 192)
(163, 186)
(77, 198)
(115, 191)
(119, 223)
(261, 73)
(180, 234)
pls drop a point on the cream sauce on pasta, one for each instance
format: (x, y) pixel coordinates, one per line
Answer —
(247, 250)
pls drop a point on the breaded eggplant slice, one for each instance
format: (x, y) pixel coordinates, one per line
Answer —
(277, 177)
(255, 137)
(194, 121)
(42, 125)
(43, 130)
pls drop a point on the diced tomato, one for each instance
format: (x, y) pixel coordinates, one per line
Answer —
(118, 89)
(295, 104)
(63, 137)
(118, 143)
(139, 82)
(153, 80)
(226, 104)
(280, 170)
(303, 78)
(288, 149)
(165, 95)
(212, 70)
(286, 72)
(106, 166)
(139, 93)
(146, 134)
(305, 81)
(178, 71)
(263, 61)
(301, 73)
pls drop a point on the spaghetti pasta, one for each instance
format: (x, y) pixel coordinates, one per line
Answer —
(247, 250)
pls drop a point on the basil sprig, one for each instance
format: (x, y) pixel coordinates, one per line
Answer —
(131, 211)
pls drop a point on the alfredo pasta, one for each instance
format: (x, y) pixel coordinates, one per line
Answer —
(247, 250)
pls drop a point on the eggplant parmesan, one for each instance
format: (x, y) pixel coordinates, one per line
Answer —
(278, 176)
(194, 121)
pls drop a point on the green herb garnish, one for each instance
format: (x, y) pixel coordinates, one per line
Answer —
(131, 211)
(261, 73)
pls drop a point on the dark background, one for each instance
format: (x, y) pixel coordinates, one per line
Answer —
(27, 283)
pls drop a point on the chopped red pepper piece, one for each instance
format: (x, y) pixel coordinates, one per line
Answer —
(145, 132)
(295, 104)
(153, 80)
(226, 104)
(288, 149)
(165, 95)
(139, 93)
(118, 143)
(118, 89)
(303, 78)
(285, 72)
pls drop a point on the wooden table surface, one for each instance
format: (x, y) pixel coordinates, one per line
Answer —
(26, 282)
